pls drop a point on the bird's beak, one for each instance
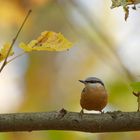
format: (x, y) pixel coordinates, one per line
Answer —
(82, 81)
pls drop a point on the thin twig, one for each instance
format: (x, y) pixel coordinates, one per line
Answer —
(15, 57)
(137, 94)
(14, 40)
(138, 103)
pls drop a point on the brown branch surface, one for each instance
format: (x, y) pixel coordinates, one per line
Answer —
(63, 120)
(136, 1)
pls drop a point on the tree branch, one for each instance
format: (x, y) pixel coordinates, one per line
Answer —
(137, 1)
(63, 120)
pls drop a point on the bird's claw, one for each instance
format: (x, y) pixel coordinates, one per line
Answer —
(81, 113)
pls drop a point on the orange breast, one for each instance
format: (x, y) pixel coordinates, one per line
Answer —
(93, 98)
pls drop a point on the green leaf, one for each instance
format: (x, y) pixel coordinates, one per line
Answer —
(135, 86)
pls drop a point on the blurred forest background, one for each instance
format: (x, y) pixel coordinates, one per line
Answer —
(105, 46)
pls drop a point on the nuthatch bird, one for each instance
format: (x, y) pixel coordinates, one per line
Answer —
(94, 96)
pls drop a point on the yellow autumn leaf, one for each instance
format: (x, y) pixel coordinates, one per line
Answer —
(4, 50)
(47, 41)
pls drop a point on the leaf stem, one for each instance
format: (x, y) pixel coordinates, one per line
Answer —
(14, 40)
(15, 57)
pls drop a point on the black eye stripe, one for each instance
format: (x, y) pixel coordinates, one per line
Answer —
(91, 81)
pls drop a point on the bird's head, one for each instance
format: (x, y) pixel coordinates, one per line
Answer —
(92, 82)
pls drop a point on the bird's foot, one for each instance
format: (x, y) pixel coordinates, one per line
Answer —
(102, 112)
(81, 113)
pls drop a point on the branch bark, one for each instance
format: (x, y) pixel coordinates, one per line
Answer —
(137, 1)
(64, 120)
